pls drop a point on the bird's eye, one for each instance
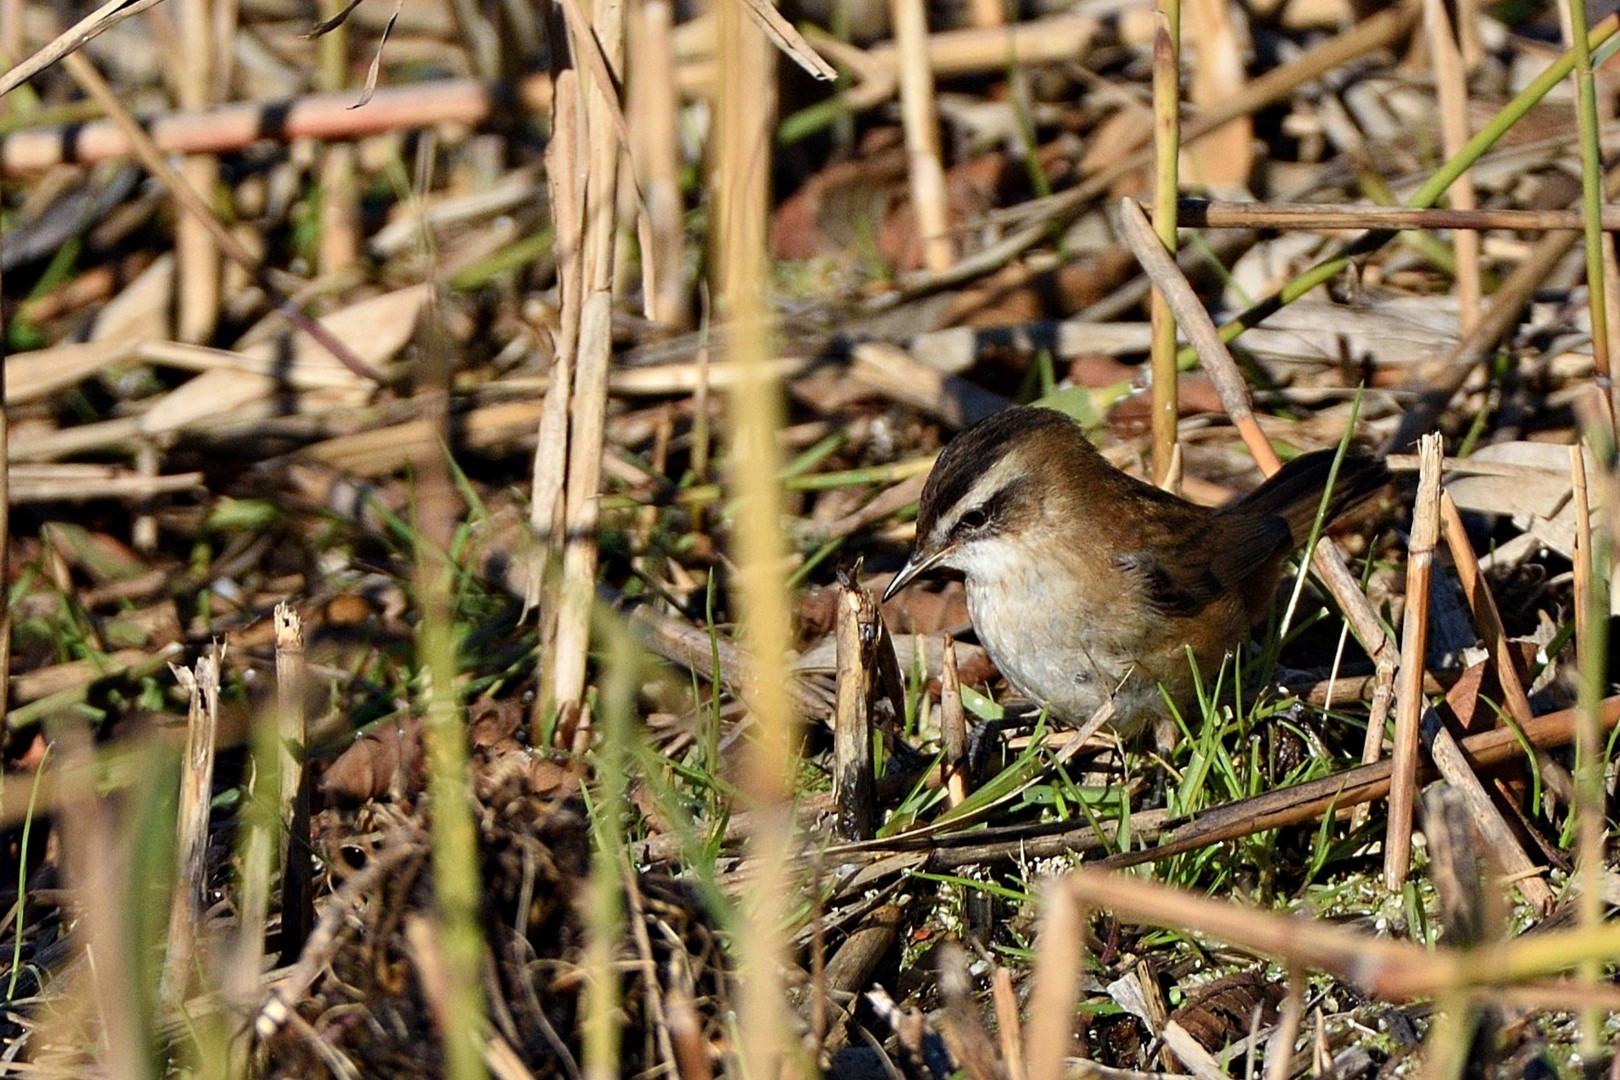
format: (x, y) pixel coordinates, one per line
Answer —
(974, 519)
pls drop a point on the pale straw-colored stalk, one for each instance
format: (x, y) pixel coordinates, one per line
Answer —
(1409, 701)
(1591, 560)
(744, 111)
(1452, 85)
(1166, 189)
(918, 116)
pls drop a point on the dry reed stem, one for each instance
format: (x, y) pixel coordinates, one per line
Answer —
(921, 125)
(547, 502)
(1409, 702)
(851, 968)
(1591, 608)
(190, 898)
(1452, 86)
(225, 128)
(854, 785)
(1383, 699)
(1055, 39)
(292, 798)
(1582, 560)
(1212, 352)
(1009, 1029)
(144, 529)
(340, 236)
(97, 22)
(550, 473)
(600, 44)
(1167, 152)
(1059, 960)
(987, 13)
(1214, 214)
(952, 725)
(745, 106)
(786, 37)
(655, 124)
(1447, 755)
(1385, 969)
(79, 484)
(1351, 787)
(197, 256)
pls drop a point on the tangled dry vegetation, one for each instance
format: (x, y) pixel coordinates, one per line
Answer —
(451, 472)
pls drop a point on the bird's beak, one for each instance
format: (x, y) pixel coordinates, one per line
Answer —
(915, 566)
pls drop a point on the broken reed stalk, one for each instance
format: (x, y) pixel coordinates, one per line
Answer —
(1167, 149)
(745, 106)
(190, 898)
(549, 479)
(1214, 214)
(854, 785)
(1409, 701)
(1591, 560)
(292, 795)
(921, 125)
(601, 41)
(1452, 86)
(952, 725)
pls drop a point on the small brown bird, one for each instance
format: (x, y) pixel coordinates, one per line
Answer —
(1085, 584)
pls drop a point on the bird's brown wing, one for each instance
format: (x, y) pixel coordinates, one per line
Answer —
(1180, 579)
